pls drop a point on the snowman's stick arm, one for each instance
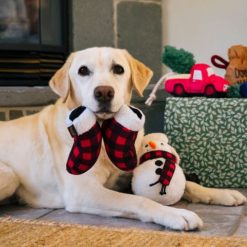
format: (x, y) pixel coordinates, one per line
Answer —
(154, 183)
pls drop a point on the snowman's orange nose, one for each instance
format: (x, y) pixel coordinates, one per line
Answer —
(152, 145)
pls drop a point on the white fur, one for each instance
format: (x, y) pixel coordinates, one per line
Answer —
(127, 118)
(35, 149)
(100, 65)
(84, 122)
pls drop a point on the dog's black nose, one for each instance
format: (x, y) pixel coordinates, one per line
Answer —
(104, 94)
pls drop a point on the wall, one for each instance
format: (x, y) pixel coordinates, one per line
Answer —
(10, 113)
(134, 25)
(204, 27)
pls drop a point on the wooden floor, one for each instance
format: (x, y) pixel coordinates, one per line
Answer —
(218, 220)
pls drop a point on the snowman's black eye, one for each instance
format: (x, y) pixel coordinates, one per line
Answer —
(158, 163)
(162, 143)
(146, 145)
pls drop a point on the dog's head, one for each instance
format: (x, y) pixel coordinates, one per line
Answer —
(100, 79)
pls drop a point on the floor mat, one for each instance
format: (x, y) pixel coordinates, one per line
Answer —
(16, 232)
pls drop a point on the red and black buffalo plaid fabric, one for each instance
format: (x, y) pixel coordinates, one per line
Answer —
(166, 172)
(119, 143)
(86, 147)
(85, 150)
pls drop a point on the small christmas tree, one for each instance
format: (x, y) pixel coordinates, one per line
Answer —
(178, 60)
(234, 91)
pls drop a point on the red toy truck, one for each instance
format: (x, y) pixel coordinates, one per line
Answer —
(201, 80)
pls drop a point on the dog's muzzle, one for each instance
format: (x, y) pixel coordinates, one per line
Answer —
(104, 96)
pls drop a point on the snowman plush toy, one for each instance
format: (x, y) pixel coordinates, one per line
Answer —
(158, 176)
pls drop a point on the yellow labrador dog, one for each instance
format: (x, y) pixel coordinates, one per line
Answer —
(34, 149)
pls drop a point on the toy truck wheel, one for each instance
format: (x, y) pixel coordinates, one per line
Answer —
(210, 91)
(179, 90)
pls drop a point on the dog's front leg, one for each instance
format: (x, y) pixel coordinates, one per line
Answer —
(9, 182)
(91, 197)
(197, 193)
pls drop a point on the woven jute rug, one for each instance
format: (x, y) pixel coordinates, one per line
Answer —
(22, 233)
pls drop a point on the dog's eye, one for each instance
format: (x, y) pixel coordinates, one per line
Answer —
(84, 71)
(117, 69)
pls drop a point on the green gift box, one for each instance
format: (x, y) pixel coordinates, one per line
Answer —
(210, 135)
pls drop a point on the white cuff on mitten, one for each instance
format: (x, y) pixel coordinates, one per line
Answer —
(128, 118)
(84, 122)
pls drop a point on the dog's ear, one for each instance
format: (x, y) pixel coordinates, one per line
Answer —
(60, 82)
(140, 74)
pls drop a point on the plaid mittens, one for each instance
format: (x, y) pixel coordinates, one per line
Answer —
(87, 136)
(119, 135)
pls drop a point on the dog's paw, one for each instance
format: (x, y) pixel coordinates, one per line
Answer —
(197, 193)
(181, 219)
(227, 197)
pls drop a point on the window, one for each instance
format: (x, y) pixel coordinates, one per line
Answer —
(210, 71)
(197, 75)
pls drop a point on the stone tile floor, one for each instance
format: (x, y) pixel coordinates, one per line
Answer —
(218, 220)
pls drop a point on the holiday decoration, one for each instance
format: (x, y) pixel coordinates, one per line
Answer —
(210, 136)
(158, 176)
(87, 140)
(178, 60)
(187, 77)
(234, 91)
(118, 133)
(243, 89)
(236, 67)
(201, 80)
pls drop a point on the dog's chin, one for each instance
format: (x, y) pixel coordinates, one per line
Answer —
(104, 115)
(106, 112)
